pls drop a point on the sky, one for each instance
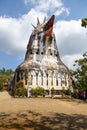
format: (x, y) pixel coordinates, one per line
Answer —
(16, 17)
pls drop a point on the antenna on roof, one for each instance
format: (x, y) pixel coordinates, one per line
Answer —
(33, 26)
(38, 22)
(44, 19)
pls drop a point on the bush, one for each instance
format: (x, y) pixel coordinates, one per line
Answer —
(52, 91)
(38, 91)
(64, 91)
(73, 95)
(3, 79)
(1, 87)
(19, 84)
(19, 90)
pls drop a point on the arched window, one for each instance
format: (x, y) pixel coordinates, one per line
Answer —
(52, 80)
(42, 79)
(17, 76)
(31, 79)
(65, 83)
(56, 81)
(25, 81)
(26, 77)
(61, 81)
(36, 78)
(21, 75)
(47, 79)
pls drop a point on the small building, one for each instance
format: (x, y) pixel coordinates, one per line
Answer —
(42, 65)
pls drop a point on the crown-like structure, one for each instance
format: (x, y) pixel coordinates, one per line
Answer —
(42, 65)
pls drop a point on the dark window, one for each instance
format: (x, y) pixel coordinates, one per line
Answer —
(52, 81)
(65, 83)
(47, 78)
(51, 54)
(36, 78)
(25, 81)
(31, 79)
(22, 76)
(47, 81)
(37, 52)
(42, 79)
(17, 76)
(61, 82)
(41, 53)
(26, 77)
(31, 52)
(39, 37)
(56, 82)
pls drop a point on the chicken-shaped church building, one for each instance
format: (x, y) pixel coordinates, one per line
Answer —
(42, 65)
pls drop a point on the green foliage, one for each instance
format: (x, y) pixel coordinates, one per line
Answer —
(73, 95)
(52, 91)
(3, 71)
(38, 91)
(19, 84)
(80, 74)
(19, 90)
(63, 90)
(84, 22)
(4, 76)
(3, 79)
(1, 87)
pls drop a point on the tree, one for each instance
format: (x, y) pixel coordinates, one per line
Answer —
(84, 22)
(80, 74)
(4, 76)
(3, 71)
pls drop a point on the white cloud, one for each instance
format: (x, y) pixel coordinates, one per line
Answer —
(14, 33)
(48, 6)
(54, 3)
(62, 10)
(71, 40)
(69, 60)
(71, 37)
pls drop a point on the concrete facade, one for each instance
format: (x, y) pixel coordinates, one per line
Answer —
(42, 65)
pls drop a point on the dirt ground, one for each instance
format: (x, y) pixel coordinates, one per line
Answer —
(42, 113)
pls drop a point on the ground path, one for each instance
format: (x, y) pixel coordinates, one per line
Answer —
(42, 114)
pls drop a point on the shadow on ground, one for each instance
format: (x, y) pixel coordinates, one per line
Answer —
(78, 101)
(28, 120)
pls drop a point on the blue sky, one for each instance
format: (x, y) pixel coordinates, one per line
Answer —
(16, 17)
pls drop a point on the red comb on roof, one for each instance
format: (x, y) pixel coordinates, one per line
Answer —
(49, 26)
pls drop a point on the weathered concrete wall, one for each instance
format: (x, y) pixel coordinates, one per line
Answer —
(42, 65)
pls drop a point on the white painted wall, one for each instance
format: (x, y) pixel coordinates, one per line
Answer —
(45, 86)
